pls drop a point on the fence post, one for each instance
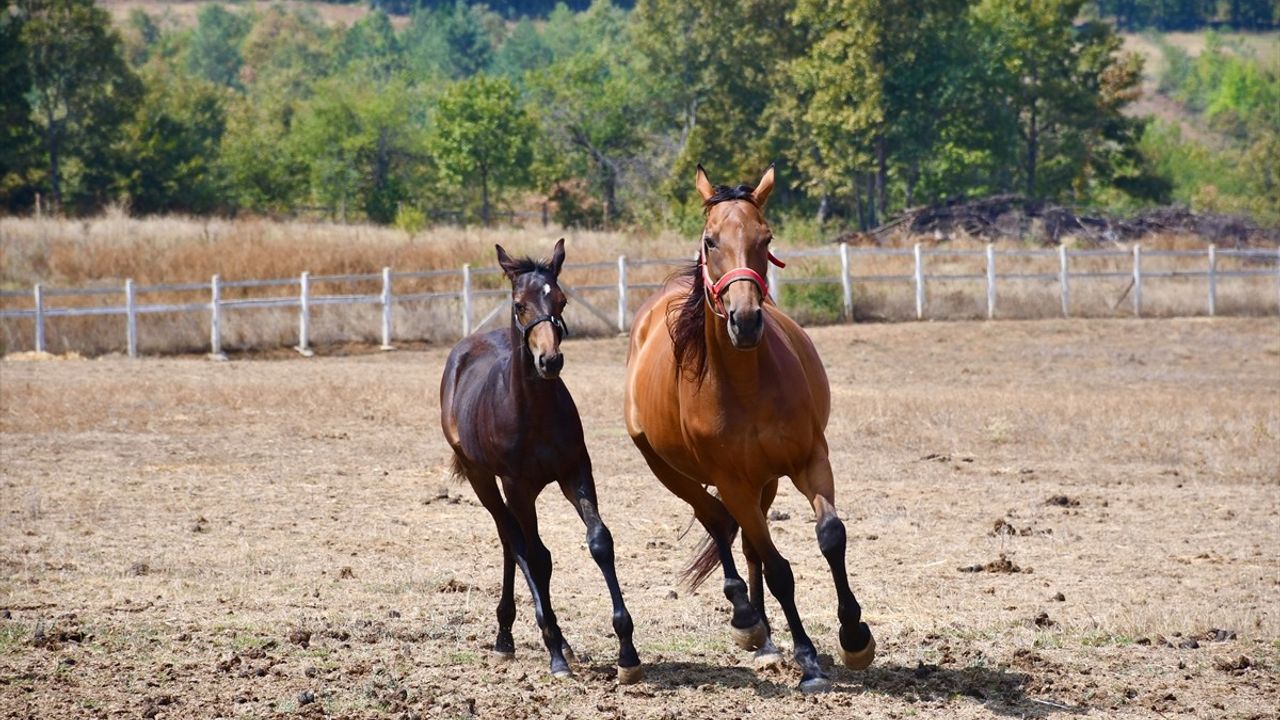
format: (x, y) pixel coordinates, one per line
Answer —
(991, 281)
(304, 315)
(919, 282)
(622, 293)
(466, 299)
(386, 309)
(215, 319)
(1213, 280)
(38, 293)
(1137, 280)
(1062, 279)
(131, 317)
(846, 283)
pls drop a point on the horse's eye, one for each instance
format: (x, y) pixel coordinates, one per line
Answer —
(710, 241)
(519, 307)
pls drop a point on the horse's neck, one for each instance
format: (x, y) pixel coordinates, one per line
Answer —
(728, 366)
(520, 374)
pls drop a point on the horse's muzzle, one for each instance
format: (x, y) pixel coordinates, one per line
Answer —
(549, 365)
(746, 328)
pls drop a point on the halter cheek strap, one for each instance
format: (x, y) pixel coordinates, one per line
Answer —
(715, 289)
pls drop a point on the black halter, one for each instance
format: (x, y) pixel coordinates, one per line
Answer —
(556, 321)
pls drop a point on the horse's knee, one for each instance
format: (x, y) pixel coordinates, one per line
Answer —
(831, 537)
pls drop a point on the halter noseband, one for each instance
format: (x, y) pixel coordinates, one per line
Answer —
(715, 289)
(556, 321)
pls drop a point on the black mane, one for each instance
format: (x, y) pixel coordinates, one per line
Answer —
(725, 193)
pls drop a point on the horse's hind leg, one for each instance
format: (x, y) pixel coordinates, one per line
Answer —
(486, 489)
(581, 491)
(537, 569)
(857, 646)
(749, 632)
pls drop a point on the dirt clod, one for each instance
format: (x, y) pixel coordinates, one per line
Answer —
(346, 573)
(306, 697)
(1059, 597)
(1234, 665)
(778, 515)
(1043, 620)
(300, 637)
(138, 569)
(1062, 501)
(1001, 564)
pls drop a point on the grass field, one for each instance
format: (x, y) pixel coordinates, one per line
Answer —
(181, 538)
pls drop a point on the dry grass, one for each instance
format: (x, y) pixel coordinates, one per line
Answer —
(246, 488)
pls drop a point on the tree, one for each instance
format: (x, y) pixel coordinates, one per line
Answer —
(370, 48)
(172, 145)
(716, 68)
(82, 87)
(480, 133)
(588, 102)
(450, 42)
(17, 132)
(213, 52)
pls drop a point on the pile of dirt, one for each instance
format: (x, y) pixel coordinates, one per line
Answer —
(1013, 217)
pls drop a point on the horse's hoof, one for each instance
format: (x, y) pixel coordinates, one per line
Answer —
(752, 638)
(813, 686)
(630, 675)
(861, 659)
(564, 674)
(503, 656)
(768, 657)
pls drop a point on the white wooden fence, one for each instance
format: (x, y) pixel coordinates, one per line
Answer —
(1267, 264)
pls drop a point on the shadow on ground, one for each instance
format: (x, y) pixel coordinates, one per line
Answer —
(1001, 691)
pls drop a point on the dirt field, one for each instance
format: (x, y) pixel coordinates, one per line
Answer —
(182, 538)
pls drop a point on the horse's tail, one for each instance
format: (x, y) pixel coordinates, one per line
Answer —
(457, 471)
(705, 560)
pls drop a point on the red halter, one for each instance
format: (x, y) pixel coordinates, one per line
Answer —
(715, 289)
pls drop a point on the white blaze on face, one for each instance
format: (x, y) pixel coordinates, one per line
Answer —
(546, 289)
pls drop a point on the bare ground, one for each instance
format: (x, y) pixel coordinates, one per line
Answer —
(181, 538)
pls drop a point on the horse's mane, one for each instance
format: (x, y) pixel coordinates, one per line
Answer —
(687, 319)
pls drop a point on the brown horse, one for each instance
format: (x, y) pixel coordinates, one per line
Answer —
(506, 413)
(725, 390)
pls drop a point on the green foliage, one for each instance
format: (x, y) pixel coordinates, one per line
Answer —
(82, 90)
(213, 52)
(17, 131)
(482, 135)
(449, 42)
(172, 144)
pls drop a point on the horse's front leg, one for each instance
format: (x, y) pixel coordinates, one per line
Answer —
(581, 492)
(535, 560)
(857, 645)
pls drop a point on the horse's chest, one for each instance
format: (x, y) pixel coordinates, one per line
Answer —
(770, 435)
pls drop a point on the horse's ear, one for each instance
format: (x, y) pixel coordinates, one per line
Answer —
(557, 257)
(763, 188)
(504, 260)
(705, 188)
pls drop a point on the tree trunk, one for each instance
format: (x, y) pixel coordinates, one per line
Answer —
(872, 218)
(882, 177)
(55, 176)
(824, 208)
(1033, 140)
(484, 196)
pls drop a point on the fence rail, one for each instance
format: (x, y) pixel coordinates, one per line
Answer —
(386, 299)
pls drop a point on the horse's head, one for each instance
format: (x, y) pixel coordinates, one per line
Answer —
(537, 306)
(735, 247)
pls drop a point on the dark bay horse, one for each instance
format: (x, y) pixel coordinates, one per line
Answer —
(507, 414)
(725, 390)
